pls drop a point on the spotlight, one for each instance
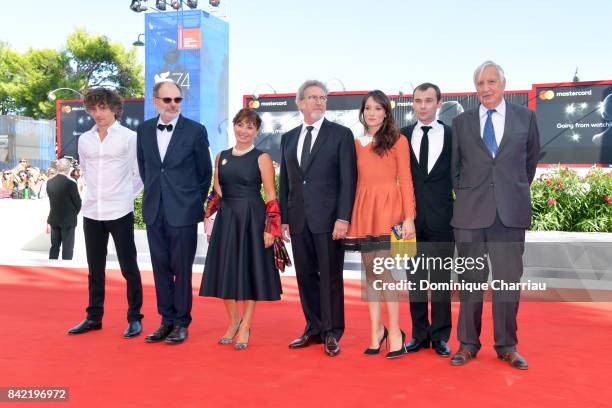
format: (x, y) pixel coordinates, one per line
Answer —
(175, 4)
(160, 5)
(138, 6)
(192, 4)
(214, 3)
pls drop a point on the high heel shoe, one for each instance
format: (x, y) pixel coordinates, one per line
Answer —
(401, 351)
(242, 346)
(229, 340)
(374, 351)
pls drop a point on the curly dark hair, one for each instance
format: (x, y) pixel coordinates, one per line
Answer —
(103, 97)
(388, 133)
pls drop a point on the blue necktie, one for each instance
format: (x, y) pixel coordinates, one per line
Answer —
(489, 133)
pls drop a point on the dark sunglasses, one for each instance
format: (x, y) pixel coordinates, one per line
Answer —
(178, 99)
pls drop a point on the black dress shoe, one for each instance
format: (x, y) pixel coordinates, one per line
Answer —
(178, 335)
(415, 345)
(441, 348)
(305, 341)
(160, 334)
(514, 359)
(85, 326)
(134, 329)
(332, 348)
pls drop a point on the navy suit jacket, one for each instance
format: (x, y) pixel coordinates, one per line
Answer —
(325, 190)
(181, 181)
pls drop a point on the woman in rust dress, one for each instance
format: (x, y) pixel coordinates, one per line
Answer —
(384, 198)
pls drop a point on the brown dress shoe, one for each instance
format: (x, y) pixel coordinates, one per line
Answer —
(514, 359)
(305, 341)
(461, 357)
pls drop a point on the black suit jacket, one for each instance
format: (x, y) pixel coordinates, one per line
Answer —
(182, 180)
(433, 191)
(486, 186)
(64, 201)
(325, 191)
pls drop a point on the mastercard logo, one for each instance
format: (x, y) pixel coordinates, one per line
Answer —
(66, 109)
(254, 104)
(547, 95)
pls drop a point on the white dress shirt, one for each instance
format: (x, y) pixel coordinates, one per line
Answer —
(164, 136)
(435, 136)
(315, 132)
(110, 170)
(498, 118)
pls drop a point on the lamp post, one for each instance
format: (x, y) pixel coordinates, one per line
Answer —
(139, 42)
(256, 95)
(51, 94)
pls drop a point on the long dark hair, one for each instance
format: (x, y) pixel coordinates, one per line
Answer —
(388, 133)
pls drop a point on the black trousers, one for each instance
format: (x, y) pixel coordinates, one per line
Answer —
(62, 236)
(172, 254)
(434, 246)
(96, 243)
(319, 261)
(504, 247)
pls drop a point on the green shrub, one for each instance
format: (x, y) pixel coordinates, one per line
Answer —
(564, 201)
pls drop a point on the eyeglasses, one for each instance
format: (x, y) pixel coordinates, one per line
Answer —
(314, 98)
(178, 99)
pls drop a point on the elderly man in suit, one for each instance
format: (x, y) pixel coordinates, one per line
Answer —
(430, 143)
(495, 154)
(65, 204)
(317, 189)
(175, 167)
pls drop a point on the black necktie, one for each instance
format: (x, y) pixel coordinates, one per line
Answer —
(424, 152)
(165, 127)
(306, 147)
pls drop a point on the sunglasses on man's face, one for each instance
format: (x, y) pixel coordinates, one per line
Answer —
(178, 99)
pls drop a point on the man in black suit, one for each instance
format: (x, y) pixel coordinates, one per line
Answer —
(495, 155)
(317, 190)
(175, 167)
(430, 159)
(65, 204)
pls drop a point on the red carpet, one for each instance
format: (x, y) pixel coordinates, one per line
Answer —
(566, 345)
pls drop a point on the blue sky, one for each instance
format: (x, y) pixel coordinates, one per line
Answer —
(366, 44)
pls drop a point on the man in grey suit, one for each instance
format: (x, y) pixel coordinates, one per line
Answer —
(494, 158)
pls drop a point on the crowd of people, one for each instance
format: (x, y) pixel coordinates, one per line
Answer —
(463, 187)
(26, 182)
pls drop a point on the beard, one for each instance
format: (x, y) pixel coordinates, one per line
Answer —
(316, 115)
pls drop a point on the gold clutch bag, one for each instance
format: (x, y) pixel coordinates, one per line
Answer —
(399, 246)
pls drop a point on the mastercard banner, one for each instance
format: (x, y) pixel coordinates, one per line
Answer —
(575, 122)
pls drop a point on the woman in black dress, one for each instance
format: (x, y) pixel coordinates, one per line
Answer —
(240, 259)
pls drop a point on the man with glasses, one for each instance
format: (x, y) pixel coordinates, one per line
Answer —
(175, 166)
(317, 190)
(107, 155)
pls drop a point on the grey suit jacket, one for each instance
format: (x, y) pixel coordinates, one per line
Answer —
(485, 185)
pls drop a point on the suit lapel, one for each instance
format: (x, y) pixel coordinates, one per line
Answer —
(474, 123)
(154, 141)
(292, 147)
(175, 135)
(445, 145)
(320, 141)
